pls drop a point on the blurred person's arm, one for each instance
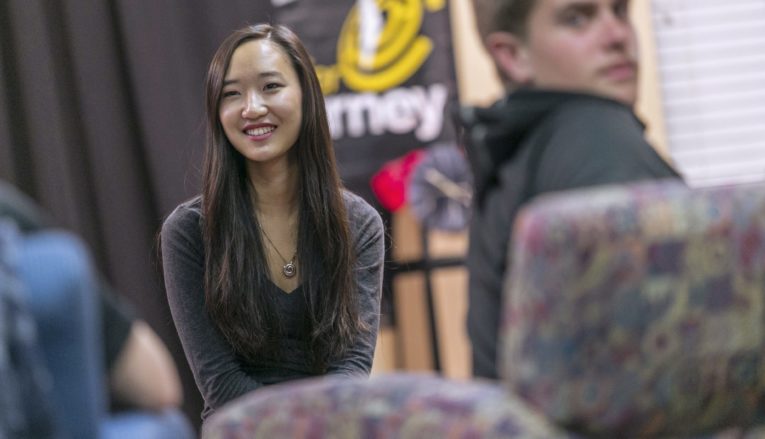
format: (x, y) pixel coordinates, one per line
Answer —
(141, 371)
(144, 374)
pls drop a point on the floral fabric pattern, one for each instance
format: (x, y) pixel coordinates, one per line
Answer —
(407, 406)
(639, 310)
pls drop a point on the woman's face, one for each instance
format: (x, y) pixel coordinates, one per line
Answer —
(261, 102)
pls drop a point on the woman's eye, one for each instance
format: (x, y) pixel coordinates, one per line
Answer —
(229, 93)
(272, 86)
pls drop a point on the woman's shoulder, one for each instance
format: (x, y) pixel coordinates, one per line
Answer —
(361, 215)
(185, 217)
(357, 206)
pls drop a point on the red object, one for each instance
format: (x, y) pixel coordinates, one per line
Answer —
(390, 182)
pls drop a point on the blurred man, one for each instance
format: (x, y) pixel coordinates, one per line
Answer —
(570, 67)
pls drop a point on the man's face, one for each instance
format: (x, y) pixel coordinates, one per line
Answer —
(581, 45)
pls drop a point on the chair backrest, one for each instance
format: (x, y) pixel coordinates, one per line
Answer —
(639, 309)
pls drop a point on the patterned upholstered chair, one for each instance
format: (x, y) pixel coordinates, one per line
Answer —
(630, 311)
(402, 405)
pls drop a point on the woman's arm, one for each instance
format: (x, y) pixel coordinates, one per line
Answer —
(217, 370)
(367, 230)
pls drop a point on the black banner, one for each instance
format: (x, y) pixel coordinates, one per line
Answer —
(387, 72)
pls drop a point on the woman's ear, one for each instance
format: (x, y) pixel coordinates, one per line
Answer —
(511, 55)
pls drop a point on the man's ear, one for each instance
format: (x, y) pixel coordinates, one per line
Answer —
(511, 55)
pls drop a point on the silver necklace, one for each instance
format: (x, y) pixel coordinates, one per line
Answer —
(288, 269)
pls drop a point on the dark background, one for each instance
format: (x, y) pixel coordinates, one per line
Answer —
(101, 122)
(361, 157)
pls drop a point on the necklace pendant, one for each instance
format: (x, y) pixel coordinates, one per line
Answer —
(288, 270)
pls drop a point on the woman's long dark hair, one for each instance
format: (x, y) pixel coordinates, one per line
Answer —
(235, 276)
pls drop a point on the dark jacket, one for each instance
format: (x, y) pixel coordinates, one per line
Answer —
(529, 143)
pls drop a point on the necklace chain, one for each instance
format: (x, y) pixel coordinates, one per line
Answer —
(288, 269)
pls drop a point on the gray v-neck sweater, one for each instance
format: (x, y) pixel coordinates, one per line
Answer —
(220, 374)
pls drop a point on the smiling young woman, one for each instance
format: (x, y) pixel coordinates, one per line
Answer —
(274, 272)
(260, 108)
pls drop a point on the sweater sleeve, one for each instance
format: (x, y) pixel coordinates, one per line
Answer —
(218, 372)
(368, 234)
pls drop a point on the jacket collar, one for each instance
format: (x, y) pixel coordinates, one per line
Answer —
(494, 135)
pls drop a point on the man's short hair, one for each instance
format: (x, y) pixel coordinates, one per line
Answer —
(502, 16)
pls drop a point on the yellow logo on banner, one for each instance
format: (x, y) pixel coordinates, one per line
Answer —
(381, 55)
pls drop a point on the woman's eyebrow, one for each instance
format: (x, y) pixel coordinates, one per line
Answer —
(266, 74)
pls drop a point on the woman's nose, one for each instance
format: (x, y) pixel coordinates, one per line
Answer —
(254, 108)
